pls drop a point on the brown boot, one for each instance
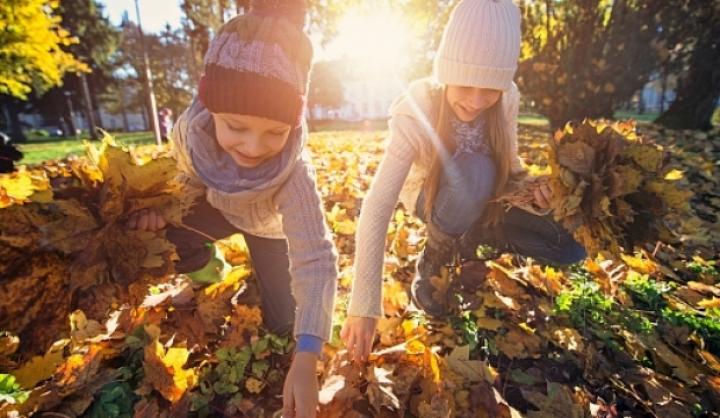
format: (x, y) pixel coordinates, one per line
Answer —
(439, 252)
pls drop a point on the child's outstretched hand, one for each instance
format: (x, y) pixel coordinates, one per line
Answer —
(543, 194)
(146, 220)
(358, 334)
(300, 392)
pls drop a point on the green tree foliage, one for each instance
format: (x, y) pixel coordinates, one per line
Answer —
(32, 53)
(168, 53)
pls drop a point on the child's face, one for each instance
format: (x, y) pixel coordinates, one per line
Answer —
(468, 102)
(250, 140)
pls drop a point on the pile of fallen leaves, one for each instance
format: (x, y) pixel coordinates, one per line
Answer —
(63, 233)
(635, 335)
(611, 187)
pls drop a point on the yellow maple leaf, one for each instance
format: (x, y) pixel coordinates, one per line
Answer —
(254, 385)
(42, 367)
(164, 370)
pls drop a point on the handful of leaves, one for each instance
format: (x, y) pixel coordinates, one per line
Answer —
(611, 188)
(69, 218)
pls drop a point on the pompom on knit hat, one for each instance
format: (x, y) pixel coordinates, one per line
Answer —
(258, 64)
(480, 46)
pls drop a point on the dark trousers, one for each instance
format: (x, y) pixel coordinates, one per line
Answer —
(269, 258)
(539, 237)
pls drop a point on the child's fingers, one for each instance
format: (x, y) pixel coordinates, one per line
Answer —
(540, 198)
(155, 219)
(143, 221)
(547, 192)
(161, 221)
(344, 333)
(132, 222)
(363, 348)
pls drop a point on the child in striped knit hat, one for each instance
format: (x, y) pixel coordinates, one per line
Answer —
(239, 144)
(452, 149)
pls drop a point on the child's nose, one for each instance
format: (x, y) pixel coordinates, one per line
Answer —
(477, 99)
(253, 146)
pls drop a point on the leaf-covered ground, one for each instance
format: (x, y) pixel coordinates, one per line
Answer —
(635, 335)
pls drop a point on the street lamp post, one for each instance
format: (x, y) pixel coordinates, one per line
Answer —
(148, 81)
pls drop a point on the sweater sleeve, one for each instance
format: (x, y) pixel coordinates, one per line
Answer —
(376, 211)
(313, 260)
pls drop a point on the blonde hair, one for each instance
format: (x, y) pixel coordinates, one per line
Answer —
(498, 141)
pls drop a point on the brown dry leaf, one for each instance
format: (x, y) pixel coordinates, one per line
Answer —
(244, 325)
(380, 389)
(709, 359)
(472, 370)
(491, 324)
(569, 339)
(487, 402)
(680, 368)
(440, 405)
(558, 402)
(704, 288)
(83, 368)
(164, 370)
(82, 329)
(497, 301)
(547, 279)
(518, 343)
(389, 330)
(505, 282)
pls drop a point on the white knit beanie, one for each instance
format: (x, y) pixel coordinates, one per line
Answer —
(480, 46)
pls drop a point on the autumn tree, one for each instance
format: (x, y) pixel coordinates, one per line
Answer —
(97, 44)
(692, 45)
(32, 53)
(584, 58)
(167, 52)
(325, 87)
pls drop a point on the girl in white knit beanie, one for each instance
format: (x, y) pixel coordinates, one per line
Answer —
(452, 149)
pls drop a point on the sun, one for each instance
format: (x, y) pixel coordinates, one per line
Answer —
(378, 40)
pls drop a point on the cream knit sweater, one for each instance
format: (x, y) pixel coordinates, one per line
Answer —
(287, 206)
(408, 156)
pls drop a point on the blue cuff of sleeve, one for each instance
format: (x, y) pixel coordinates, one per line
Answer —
(309, 343)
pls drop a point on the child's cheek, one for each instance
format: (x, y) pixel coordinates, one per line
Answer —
(228, 140)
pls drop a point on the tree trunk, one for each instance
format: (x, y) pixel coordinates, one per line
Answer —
(89, 115)
(700, 88)
(16, 132)
(663, 91)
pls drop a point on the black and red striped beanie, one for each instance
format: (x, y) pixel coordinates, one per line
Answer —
(258, 64)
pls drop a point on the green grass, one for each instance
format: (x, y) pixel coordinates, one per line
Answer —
(533, 119)
(641, 118)
(37, 150)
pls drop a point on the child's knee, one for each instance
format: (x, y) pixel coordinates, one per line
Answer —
(570, 253)
(478, 172)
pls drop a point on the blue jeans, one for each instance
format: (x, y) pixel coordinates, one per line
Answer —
(465, 187)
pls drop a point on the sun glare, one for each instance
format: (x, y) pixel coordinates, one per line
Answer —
(378, 40)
